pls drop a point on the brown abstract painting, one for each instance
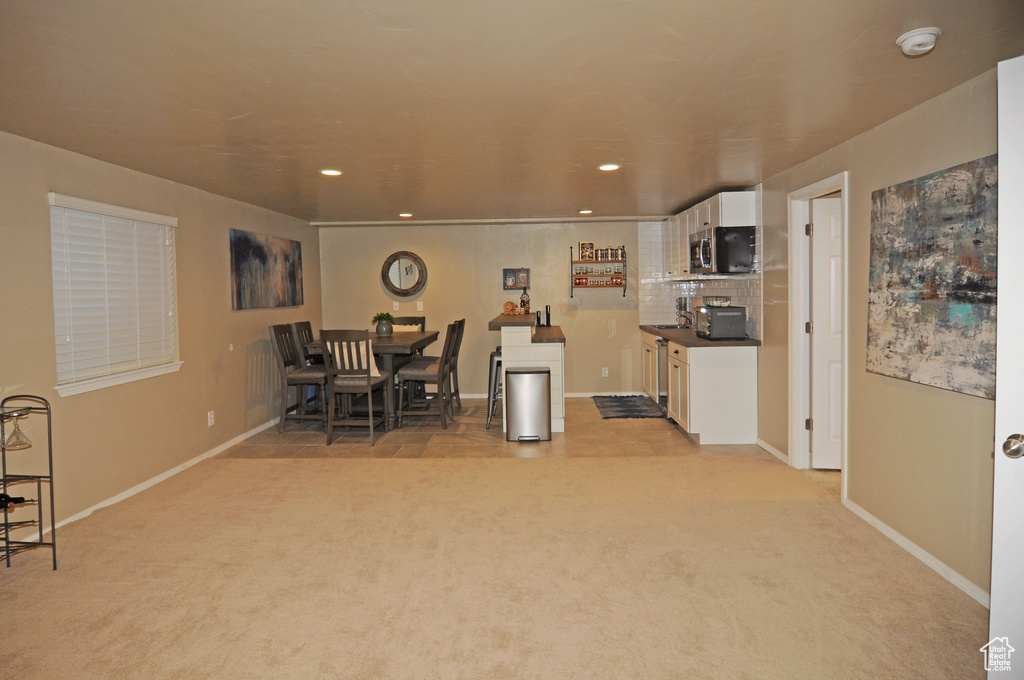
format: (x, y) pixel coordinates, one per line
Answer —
(266, 271)
(932, 280)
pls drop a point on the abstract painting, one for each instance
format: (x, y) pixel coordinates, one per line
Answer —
(266, 271)
(932, 279)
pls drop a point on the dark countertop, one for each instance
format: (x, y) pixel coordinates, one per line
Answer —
(551, 334)
(688, 338)
(497, 322)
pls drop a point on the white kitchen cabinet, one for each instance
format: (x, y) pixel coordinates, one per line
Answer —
(729, 209)
(650, 365)
(672, 243)
(712, 392)
(683, 245)
(678, 386)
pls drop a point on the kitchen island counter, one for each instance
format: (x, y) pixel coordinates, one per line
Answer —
(538, 334)
(523, 345)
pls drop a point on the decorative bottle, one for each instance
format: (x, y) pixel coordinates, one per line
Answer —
(524, 302)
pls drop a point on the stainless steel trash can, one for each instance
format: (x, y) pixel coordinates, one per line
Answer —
(528, 404)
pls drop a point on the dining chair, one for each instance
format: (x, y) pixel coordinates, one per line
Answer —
(409, 323)
(453, 370)
(428, 372)
(294, 372)
(304, 336)
(352, 371)
(454, 373)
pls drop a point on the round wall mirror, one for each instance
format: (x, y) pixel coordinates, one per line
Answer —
(404, 273)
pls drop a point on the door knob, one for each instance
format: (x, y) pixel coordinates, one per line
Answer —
(1013, 447)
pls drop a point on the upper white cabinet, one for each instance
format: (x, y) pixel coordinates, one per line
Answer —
(673, 242)
(727, 209)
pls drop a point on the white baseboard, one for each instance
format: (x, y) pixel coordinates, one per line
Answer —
(153, 481)
(920, 553)
(574, 395)
(772, 450)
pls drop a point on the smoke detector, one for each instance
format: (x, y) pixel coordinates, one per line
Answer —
(919, 41)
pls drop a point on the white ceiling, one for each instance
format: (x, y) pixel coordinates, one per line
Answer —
(476, 109)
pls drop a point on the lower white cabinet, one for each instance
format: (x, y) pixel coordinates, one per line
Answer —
(678, 386)
(650, 365)
(712, 392)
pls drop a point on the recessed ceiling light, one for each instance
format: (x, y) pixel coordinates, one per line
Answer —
(586, 212)
(330, 173)
(405, 214)
(919, 41)
(608, 167)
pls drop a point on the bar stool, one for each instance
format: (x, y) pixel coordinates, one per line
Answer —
(493, 384)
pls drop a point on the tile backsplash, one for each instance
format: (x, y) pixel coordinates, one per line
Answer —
(658, 296)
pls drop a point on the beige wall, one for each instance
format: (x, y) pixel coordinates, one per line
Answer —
(920, 458)
(109, 440)
(464, 266)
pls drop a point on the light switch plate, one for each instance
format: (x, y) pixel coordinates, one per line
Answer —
(394, 306)
(419, 306)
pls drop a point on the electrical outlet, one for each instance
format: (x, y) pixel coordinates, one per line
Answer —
(604, 371)
(419, 306)
(394, 306)
(231, 347)
(209, 419)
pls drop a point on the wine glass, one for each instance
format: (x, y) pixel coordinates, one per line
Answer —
(16, 439)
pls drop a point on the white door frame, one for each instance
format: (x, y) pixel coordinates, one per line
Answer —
(799, 298)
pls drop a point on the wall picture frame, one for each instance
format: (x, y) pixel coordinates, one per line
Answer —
(515, 278)
(932, 279)
(266, 271)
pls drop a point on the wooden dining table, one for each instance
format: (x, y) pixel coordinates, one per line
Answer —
(388, 348)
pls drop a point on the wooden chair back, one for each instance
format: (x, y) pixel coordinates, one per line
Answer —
(302, 332)
(284, 348)
(420, 321)
(348, 353)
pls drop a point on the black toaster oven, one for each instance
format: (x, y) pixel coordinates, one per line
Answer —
(722, 323)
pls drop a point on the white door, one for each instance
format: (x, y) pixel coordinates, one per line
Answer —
(1006, 618)
(827, 333)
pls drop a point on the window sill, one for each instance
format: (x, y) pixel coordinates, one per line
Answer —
(117, 379)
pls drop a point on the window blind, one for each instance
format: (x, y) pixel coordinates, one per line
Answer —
(113, 290)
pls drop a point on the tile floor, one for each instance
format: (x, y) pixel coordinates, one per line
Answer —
(587, 435)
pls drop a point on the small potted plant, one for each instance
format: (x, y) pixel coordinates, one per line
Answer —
(385, 323)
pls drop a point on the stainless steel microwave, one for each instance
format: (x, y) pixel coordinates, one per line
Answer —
(722, 250)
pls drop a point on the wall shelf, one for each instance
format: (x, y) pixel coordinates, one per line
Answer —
(598, 274)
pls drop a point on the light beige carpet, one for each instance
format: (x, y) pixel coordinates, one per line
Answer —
(691, 567)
